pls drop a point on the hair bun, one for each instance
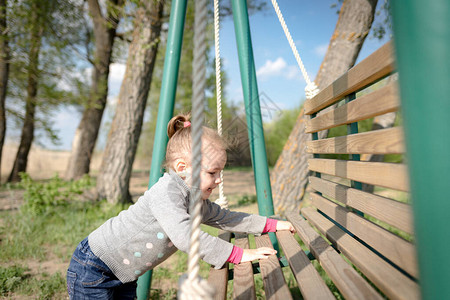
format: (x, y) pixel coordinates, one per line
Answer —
(176, 123)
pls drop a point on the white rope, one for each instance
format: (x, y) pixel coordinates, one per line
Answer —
(311, 88)
(222, 201)
(195, 287)
(218, 74)
(195, 290)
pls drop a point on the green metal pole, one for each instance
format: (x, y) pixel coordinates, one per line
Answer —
(165, 110)
(253, 112)
(422, 44)
(252, 108)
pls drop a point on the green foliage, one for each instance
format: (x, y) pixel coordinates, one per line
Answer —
(54, 30)
(277, 132)
(383, 23)
(253, 6)
(247, 200)
(240, 201)
(239, 168)
(8, 186)
(43, 197)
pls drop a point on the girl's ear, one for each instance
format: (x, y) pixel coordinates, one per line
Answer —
(180, 167)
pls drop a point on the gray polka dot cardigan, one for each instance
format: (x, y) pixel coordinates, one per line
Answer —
(148, 232)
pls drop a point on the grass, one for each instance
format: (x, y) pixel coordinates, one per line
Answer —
(47, 227)
(10, 186)
(22, 240)
(16, 279)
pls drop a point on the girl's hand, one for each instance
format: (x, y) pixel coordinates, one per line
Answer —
(285, 225)
(260, 253)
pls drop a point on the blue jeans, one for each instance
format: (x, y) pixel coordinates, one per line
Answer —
(88, 277)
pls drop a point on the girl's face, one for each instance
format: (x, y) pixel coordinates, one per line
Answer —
(210, 174)
(213, 161)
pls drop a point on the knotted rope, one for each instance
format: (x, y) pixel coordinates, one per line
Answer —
(193, 287)
(222, 201)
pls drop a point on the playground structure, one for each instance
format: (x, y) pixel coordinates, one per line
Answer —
(398, 268)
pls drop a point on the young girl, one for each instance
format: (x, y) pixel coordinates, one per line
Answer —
(107, 263)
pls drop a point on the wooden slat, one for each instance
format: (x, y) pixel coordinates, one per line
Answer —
(377, 65)
(309, 281)
(394, 213)
(379, 102)
(347, 280)
(396, 249)
(383, 141)
(274, 284)
(389, 175)
(390, 281)
(243, 283)
(219, 278)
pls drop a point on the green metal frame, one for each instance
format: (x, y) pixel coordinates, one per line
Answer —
(422, 46)
(251, 98)
(165, 110)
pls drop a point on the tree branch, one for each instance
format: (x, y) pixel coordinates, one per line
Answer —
(123, 37)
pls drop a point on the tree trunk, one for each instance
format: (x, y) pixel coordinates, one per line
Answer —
(4, 73)
(115, 172)
(27, 135)
(86, 134)
(290, 175)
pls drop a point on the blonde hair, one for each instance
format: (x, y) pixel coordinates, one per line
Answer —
(180, 140)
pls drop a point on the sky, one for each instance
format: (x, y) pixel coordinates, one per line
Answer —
(280, 83)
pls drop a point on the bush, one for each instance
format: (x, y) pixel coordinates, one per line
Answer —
(43, 197)
(277, 133)
(10, 279)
